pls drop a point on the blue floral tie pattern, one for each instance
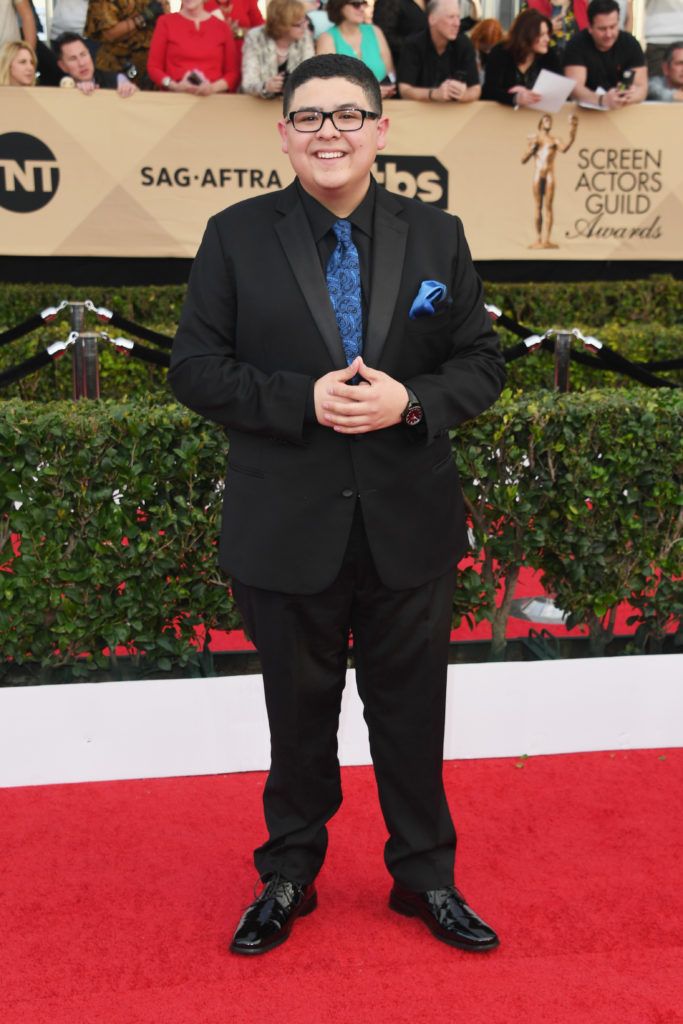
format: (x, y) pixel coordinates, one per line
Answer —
(343, 284)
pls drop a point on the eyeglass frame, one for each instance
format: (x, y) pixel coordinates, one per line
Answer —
(325, 114)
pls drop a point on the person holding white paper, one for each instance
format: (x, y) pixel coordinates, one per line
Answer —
(514, 65)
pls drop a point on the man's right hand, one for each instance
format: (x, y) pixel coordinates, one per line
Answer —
(323, 387)
(450, 89)
(615, 99)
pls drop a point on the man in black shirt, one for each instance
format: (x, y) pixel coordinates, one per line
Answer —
(607, 65)
(76, 63)
(439, 64)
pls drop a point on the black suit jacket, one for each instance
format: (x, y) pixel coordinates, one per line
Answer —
(258, 328)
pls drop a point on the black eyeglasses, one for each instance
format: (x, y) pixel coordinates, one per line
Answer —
(348, 119)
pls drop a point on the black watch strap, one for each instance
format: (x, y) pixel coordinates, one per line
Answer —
(413, 414)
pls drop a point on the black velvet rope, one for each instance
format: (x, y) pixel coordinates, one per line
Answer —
(513, 326)
(23, 369)
(515, 352)
(149, 355)
(662, 364)
(20, 329)
(613, 361)
(141, 332)
(605, 358)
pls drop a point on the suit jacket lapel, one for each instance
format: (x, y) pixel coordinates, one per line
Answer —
(388, 253)
(297, 240)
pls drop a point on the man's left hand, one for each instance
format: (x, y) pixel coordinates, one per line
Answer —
(377, 402)
(125, 87)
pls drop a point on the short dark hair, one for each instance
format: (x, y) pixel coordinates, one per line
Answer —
(670, 50)
(333, 10)
(334, 65)
(64, 39)
(597, 7)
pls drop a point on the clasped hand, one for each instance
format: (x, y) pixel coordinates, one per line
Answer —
(375, 403)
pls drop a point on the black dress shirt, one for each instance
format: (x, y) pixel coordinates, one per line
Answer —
(422, 66)
(604, 69)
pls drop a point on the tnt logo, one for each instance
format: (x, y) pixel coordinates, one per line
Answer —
(29, 175)
(418, 177)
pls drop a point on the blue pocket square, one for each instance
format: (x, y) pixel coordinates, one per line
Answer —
(430, 295)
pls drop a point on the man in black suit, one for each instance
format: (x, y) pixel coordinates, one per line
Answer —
(342, 511)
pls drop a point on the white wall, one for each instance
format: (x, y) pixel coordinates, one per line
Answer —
(97, 731)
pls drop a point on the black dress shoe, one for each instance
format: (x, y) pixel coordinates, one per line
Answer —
(267, 922)
(448, 917)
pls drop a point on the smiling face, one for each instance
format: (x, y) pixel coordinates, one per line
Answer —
(333, 166)
(22, 70)
(75, 60)
(355, 13)
(541, 43)
(604, 30)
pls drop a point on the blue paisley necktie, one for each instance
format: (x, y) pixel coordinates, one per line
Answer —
(343, 284)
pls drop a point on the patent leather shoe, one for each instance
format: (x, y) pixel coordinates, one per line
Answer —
(267, 922)
(447, 916)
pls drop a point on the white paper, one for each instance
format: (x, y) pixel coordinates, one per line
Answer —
(554, 90)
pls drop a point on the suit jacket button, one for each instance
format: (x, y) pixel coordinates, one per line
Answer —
(347, 493)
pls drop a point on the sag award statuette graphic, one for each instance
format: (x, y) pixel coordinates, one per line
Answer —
(543, 146)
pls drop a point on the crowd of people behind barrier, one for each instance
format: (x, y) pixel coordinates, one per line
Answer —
(418, 49)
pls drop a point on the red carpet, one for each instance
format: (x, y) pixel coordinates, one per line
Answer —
(118, 899)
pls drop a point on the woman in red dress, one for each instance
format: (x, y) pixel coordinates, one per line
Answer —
(192, 51)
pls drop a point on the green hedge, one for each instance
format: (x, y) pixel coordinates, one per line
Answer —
(641, 319)
(117, 507)
(588, 489)
(658, 298)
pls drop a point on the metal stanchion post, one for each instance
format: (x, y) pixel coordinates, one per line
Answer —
(563, 347)
(85, 364)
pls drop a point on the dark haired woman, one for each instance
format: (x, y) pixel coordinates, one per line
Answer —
(353, 36)
(514, 65)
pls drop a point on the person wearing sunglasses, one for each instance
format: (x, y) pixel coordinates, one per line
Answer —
(308, 335)
(272, 51)
(353, 36)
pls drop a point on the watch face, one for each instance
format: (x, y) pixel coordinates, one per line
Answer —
(413, 415)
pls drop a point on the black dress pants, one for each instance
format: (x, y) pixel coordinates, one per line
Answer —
(400, 640)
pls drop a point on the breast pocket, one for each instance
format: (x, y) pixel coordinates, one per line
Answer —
(429, 324)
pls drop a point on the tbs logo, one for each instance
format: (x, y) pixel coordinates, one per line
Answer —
(417, 177)
(29, 175)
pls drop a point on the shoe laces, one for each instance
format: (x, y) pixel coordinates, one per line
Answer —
(276, 887)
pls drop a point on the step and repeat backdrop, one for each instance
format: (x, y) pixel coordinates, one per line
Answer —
(104, 176)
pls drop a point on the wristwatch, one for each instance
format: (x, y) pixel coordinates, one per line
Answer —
(167, 82)
(413, 412)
